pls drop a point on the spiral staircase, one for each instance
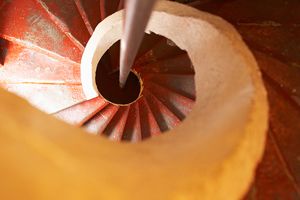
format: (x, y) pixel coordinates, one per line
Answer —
(41, 43)
(45, 41)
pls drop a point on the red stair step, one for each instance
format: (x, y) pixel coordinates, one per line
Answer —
(79, 113)
(28, 23)
(132, 130)
(24, 65)
(180, 64)
(66, 16)
(115, 128)
(287, 76)
(99, 122)
(149, 124)
(90, 13)
(48, 97)
(285, 126)
(164, 117)
(183, 84)
(180, 105)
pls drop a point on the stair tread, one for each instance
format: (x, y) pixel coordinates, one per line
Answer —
(25, 65)
(180, 64)
(165, 118)
(66, 16)
(115, 128)
(27, 20)
(177, 103)
(98, 123)
(149, 125)
(79, 113)
(49, 98)
(132, 130)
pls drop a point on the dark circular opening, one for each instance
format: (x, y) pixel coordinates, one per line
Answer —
(108, 86)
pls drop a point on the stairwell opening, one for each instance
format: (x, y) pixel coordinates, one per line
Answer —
(108, 87)
(107, 80)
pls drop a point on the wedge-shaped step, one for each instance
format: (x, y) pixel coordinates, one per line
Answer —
(287, 76)
(66, 16)
(177, 103)
(132, 130)
(285, 125)
(79, 113)
(115, 128)
(49, 98)
(180, 64)
(164, 117)
(25, 65)
(99, 122)
(89, 13)
(29, 24)
(149, 124)
(183, 84)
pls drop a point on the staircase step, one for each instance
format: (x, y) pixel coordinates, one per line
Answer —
(29, 24)
(115, 128)
(79, 113)
(149, 125)
(132, 131)
(164, 117)
(99, 122)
